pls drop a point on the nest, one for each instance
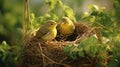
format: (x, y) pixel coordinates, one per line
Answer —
(51, 53)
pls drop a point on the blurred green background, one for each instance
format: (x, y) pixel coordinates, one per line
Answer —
(11, 19)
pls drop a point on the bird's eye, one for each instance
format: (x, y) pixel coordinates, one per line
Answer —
(64, 20)
(51, 23)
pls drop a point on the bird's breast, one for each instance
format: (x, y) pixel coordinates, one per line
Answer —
(50, 35)
(66, 29)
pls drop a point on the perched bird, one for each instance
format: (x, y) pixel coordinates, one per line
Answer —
(48, 31)
(66, 26)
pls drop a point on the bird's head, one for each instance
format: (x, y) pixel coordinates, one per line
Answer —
(51, 24)
(65, 21)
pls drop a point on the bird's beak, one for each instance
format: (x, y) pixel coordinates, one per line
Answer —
(61, 22)
(58, 23)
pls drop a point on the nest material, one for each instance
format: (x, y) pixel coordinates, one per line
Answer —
(51, 53)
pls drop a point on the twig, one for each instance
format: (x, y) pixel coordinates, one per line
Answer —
(45, 55)
(86, 34)
(48, 58)
(63, 59)
(86, 65)
(26, 14)
(42, 55)
(24, 20)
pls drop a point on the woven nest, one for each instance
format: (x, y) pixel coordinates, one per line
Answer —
(51, 53)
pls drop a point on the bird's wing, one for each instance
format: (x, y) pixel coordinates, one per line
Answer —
(42, 31)
(72, 26)
(58, 28)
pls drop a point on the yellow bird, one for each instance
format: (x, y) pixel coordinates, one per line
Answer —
(66, 26)
(48, 31)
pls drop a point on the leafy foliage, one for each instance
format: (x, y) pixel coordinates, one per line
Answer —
(10, 20)
(115, 54)
(36, 22)
(107, 26)
(87, 46)
(51, 15)
(9, 55)
(67, 11)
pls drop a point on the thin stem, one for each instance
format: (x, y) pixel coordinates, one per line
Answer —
(25, 20)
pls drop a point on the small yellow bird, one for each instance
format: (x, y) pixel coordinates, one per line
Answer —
(66, 26)
(48, 31)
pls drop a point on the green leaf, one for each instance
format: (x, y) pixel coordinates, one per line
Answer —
(73, 55)
(52, 3)
(89, 45)
(93, 7)
(32, 17)
(4, 47)
(80, 52)
(92, 19)
(67, 49)
(112, 64)
(93, 51)
(68, 12)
